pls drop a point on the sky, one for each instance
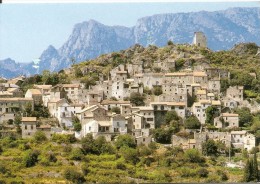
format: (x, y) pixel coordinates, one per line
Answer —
(26, 30)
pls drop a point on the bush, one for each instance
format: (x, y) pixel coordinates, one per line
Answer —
(163, 135)
(39, 136)
(116, 110)
(130, 154)
(85, 169)
(157, 90)
(192, 122)
(125, 141)
(194, 156)
(76, 154)
(59, 138)
(203, 173)
(120, 165)
(223, 175)
(137, 99)
(72, 175)
(31, 158)
(3, 169)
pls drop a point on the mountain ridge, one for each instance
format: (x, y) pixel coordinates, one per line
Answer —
(91, 38)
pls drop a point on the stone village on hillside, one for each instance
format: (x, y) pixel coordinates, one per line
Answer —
(94, 106)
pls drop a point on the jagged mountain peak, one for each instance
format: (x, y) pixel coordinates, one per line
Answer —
(91, 38)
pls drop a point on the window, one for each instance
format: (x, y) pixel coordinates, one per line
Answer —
(25, 127)
(31, 127)
(89, 128)
(143, 139)
(149, 119)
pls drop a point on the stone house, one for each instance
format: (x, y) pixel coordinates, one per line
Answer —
(227, 120)
(243, 140)
(150, 79)
(28, 126)
(96, 121)
(35, 94)
(66, 112)
(179, 107)
(45, 89)
(236, 93)
(57, 92)
(148, 115)
(230, 103)
(9, 106)
(202, 95)
(134, 68)
(200, 77)
(109, 104)
(72, 92)
(46, 129)
(179, 78)
(142, 136)
(199, 108)
(214, 86)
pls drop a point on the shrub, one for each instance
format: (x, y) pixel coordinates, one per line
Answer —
(185, 172)
(203, 173)
(120, 165)
(192, 122)
(125, 141)
(157, 90)
(223, 175)
(74, 176)
(85, 169)
(31, 158)
(194, 156)
(130, 154)
(76, 154)
(137, 99)
(39, 136)
(163, 135)
(116, 110)
(3, 169)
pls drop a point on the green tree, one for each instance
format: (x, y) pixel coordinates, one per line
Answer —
(116, 110)
(125, 141)
(137, 99)
(194, 156)
(211, 113)
(157, 90)
(245, 116)
(31, 158)
(74, 176)
(163, 135)
(169, 42)
(76, 154)
(255, 173)
(210, 148)
(88, 144)
(192, 122)
(39, 136)
(76, 123)
(130, 154)
(78, 72)
(170, 116)
(247, 171)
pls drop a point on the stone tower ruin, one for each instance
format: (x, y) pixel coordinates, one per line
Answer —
(199, 39)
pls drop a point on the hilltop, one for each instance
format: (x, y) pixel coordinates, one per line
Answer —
(90, 39)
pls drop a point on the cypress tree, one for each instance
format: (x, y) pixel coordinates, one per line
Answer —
(247, 173)
(255, 175)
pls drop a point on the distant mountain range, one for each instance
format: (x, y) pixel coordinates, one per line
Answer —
(90, 39)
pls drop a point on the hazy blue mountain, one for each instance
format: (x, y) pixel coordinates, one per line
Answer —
(90, 39)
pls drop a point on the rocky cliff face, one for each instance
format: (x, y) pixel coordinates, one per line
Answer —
(91, 39)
